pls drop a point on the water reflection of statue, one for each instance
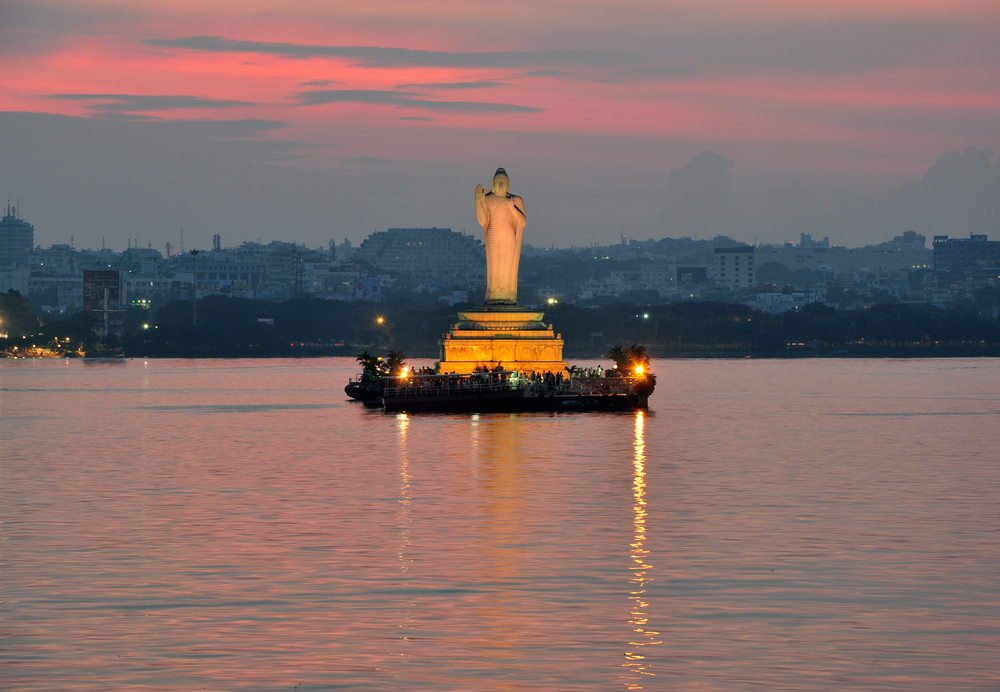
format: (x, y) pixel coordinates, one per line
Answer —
(502, 217)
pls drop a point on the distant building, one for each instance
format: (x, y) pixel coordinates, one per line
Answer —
(692, 275)
(426, 254)
(17, 237)
(733, 266)
(774, 302)
(976, 251)
(223, 265)
(658, 276)
(910, 240)
(806, 241)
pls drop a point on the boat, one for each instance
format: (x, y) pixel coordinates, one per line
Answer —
(509, 392)
(364, 388)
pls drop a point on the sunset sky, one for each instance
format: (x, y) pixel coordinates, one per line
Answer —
(305, 121)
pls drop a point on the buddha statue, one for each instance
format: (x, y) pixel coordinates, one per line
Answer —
(502, 217)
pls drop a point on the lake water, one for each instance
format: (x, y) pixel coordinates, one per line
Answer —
(240, 525)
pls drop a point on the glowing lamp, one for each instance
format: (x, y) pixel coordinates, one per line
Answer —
(639, 369)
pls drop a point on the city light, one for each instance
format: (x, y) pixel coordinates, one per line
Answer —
(380, 320)
(639, 370)
(145, 326)
(552, 301)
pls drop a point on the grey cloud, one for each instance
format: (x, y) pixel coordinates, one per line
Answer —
(699, 196)
(391, 98)
(130, 103)
(483, 84)
(548, 73)
(48, 19)
(378, 56)
(320, 82)
(147, 179)
(831, 46)
(659, 70)
(126, 116)
(368, 161)
(958, 195)
(792, 210)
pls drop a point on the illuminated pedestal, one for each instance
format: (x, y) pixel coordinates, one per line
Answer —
(510, 336)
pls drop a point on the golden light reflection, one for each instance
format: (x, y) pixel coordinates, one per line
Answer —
(636, 664)
(403, 525)
(502, 624)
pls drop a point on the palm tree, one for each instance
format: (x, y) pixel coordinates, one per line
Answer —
(628, 358)
(370, 365)
(395, 362)
(620, 356)
(637, 356)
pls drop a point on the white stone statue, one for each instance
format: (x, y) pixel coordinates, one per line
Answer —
(501, 215)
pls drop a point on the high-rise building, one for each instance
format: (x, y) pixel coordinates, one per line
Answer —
(17, 236)
(965, 253)
(806, 241)
(733, 266)
(426, 254)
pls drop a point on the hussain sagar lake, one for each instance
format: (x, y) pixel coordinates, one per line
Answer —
(242, 525)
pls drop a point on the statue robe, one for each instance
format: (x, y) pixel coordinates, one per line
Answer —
(503, 227)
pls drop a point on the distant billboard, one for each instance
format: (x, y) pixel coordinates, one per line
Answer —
(101, 290)
(272, 291)
(102, 294)
(233, 288)
(71, 296)
(368, 289)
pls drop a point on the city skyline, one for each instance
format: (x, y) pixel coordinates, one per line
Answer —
(306, 123)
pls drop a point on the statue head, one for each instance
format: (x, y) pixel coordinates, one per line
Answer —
(501, 183)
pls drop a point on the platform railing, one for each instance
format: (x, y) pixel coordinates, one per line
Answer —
(477, 383)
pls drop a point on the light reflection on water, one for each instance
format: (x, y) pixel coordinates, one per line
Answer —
(406, 605)
(820, 525)
(638, 658)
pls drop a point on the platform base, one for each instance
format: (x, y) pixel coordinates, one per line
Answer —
(508, 336)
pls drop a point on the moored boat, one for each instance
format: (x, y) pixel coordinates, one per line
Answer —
(364, 388)
(508, 392)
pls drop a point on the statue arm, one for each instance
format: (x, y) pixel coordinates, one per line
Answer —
(482, 211)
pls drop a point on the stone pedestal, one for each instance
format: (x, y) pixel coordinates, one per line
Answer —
(507, 335)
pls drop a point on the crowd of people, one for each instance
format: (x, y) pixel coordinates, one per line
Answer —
(428, 381)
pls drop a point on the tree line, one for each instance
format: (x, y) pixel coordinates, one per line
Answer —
(238, 327)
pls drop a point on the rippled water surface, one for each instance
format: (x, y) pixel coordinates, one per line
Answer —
(230, 525)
